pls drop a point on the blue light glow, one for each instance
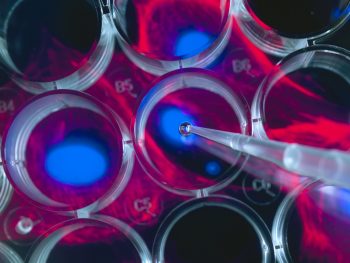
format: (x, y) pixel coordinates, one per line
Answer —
(336, 199)
(191, 42)
(76, 162)
(344, 200)
(338, 13)
(213, 168)
(170, 121)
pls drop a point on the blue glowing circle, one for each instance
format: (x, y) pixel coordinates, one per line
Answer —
(192, 42)
(77, 162)
(343, 199)
(170, 121)
(213, 168)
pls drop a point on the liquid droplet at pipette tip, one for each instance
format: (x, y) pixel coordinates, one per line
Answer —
(185, 128)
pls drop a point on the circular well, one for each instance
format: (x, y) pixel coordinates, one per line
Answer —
(213, 229)
(73, 153)
(97, 239)
(48, 46)
(304, 99)
(281, 27)
(189, 164)
(311, 225)
(162, 36)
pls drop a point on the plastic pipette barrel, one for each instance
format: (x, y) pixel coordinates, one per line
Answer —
(330, 166)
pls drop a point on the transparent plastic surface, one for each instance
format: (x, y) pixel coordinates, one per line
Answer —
(7, 255)
(188, 165)
(310, 225)
(281, 27)
(205, 230)
(66, 151)
(305, 99)
(161, 36)
(97, 239)
(10, 100)
(56, 44)
(5, 190)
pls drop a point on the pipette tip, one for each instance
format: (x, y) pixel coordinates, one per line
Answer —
(185, 128)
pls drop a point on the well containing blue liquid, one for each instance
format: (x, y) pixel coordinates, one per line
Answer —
(71, 153)
(75, 155)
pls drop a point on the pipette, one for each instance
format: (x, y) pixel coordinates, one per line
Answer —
(330, 166)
